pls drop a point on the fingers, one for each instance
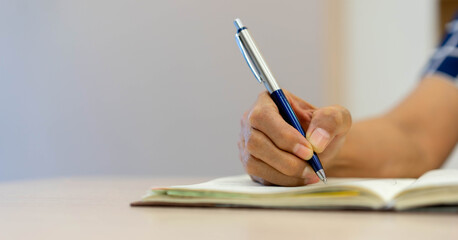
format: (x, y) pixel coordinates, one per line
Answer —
(286, 169)
(266, 118)
(261, 147)
(326, 124)
(272, 151)
(267, 175)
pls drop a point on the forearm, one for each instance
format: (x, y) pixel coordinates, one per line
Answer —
(378, 148)
(414, 137)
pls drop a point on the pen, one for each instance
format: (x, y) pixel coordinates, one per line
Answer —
(263, 74)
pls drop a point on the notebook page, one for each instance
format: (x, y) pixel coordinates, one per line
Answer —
(240, 184)
(437, 178)
(385, 188)
(436, 187)
(244, 185)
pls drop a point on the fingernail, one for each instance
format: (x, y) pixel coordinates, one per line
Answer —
(319, 139)
(306, 174)
(302, 151)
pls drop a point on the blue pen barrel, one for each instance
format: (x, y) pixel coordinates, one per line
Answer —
(290, 117)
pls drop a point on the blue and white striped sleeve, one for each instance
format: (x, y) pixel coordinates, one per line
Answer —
(445, 59)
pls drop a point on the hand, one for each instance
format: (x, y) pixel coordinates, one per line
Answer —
(274, 153)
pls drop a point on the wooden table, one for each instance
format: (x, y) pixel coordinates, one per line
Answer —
(98, 208)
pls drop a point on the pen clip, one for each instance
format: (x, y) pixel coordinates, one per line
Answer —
(247, 57)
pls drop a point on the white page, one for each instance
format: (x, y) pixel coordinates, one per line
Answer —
(385, 188)
(237, 184)
(437, 178)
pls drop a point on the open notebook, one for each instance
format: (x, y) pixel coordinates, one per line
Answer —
(436, 187)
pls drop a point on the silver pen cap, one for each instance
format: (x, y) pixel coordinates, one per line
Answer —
(254, 57)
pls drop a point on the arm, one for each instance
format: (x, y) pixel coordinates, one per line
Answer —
(414, 137)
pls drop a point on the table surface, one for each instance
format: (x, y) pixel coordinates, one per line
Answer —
(98, 208)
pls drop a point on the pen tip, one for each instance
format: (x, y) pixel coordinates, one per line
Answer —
(322, 176)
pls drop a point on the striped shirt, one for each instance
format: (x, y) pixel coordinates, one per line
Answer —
(445, 59)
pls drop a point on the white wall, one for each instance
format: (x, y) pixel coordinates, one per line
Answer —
(140, 87)
(386, 45)
(158, 87)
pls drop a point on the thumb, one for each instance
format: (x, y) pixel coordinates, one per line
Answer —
(326, 124)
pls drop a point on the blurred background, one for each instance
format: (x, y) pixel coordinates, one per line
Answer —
(157, 88)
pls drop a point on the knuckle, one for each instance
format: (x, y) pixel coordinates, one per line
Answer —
(254, 116)
(331, 115)
(342, 116)
(252, 141)
(257, 115)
